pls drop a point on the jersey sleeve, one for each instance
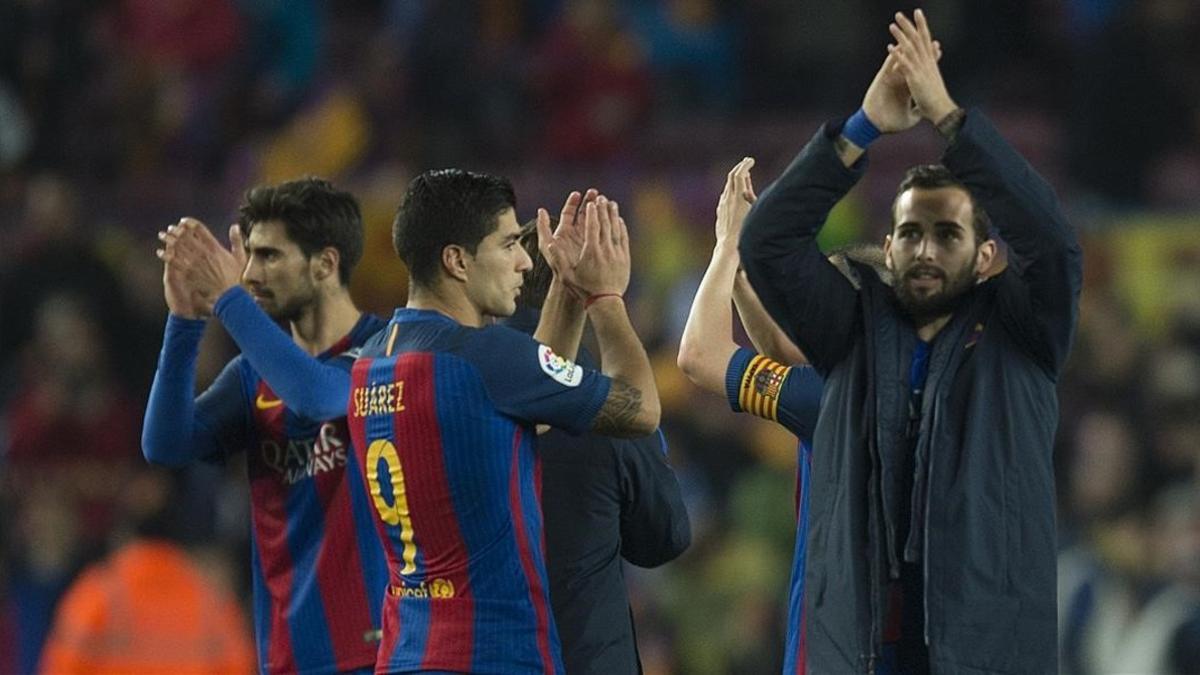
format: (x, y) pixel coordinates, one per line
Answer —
(223, 412)
(789, 395)
(313, 389)
(528, 381)
(177, 428)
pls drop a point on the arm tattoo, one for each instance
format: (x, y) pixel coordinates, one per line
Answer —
(949, 125)
(620, 409)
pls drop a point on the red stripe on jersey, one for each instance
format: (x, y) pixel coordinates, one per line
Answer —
(802, 656)
(340, 568)
(537, 495)
(390, 628)
(436, 533)
(391, 631)
(269, 499)
(537, 594)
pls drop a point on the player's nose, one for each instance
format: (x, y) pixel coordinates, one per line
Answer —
(524, 262)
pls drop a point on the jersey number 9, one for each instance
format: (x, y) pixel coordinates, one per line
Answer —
(396, 513)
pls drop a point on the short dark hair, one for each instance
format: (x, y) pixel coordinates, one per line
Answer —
(444, 207)
(314, 214)
(934, 176)
(538, 277)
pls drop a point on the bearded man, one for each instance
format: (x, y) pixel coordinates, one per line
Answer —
(932, 541)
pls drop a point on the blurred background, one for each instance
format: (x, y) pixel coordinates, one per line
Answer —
(117, 117)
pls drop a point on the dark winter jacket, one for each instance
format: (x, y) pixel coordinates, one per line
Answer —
(983, 523)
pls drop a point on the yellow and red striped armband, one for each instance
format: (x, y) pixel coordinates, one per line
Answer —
(761, 386)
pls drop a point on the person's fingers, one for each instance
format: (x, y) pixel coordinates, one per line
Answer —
(237, 245)
(918, 44)
(570, 209)
(591, 196)
(603, 217)
(185, 242)
(922, 40)
(614, 217)
(621, 232)
(922, 25)
(191, 225)
(937, 50)
(889, 63)
(746, 186)
(904, 64)
(907, 26)
(903, 41)
(545, 237)
(729, 177)
(204, 238)
(591, 225)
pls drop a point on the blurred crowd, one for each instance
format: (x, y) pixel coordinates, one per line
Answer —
(118, 117)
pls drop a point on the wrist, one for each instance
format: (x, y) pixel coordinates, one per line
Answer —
(860, 130)
(937, 112)
(948, 125)
(726, 246)
(569, 292)
(594, 298)
(180, 318)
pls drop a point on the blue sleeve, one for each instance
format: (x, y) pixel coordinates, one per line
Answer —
(313, 389)
(178, 429)
(528, 381)
(789, 395)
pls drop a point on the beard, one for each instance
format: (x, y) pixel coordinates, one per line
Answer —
(922, 307)
(293, 308)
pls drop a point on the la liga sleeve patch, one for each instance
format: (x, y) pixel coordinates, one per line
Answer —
(561, 370)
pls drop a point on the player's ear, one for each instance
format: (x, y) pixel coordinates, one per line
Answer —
(887, 252)
(455, 261)
(984, 258)
(325, 263)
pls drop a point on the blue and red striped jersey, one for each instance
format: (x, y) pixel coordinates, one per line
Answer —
(791, 396)
(442, 417)
(319, 573)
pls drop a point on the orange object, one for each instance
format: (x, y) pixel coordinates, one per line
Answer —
(148, 609)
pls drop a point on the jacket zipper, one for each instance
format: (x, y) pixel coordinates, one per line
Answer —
(928, 500)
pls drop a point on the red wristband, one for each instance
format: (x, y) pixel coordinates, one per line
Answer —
(591, 299)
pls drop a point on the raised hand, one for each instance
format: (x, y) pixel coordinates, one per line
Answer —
(916, 55)
(209, 268)
(888, 102)
(735, 202)
(183, 298)
(604, 263)
(563, 247)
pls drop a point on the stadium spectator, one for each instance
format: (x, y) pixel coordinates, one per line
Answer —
(149, 607)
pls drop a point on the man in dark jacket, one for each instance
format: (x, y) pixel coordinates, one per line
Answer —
(603, 500)
(932, 544)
